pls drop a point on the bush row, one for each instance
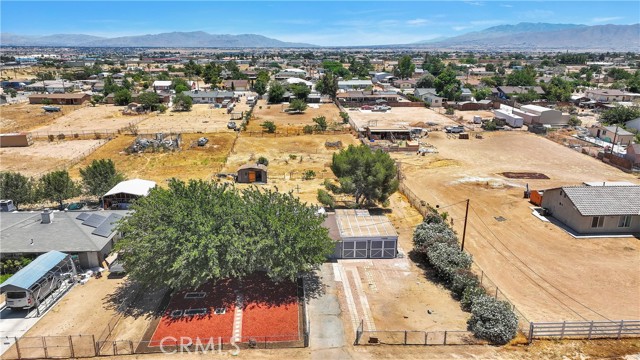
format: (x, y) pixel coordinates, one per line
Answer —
(491, 319)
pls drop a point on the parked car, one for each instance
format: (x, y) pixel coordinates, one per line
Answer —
(231, 125)
(454, 129)
(76, 206)
(26, 300)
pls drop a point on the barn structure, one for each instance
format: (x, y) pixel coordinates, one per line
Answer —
(251, 173)
(360, 235)
(125, 192)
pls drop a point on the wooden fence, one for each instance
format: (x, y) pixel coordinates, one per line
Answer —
(584, 329)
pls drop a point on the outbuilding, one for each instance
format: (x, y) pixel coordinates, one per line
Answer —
(251, 173)
(360, 235)
(59, 99)
(121, 195)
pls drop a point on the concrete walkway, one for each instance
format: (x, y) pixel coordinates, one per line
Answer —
(327, 338)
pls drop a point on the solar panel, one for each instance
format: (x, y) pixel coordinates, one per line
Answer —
(94, 220)
(108, 226)
(83, 216)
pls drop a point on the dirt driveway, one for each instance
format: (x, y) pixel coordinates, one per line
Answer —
(548, 274)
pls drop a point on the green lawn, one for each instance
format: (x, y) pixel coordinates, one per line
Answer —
(4, 277)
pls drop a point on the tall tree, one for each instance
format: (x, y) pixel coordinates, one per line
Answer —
(328, 85)
(276, 92)
(100, 176)
(524, 77)
(17, 187)
(369, 176)
(191, 233)
(58, 186)
(406, 67)
(447, 85)
(149, 100)
(122, 97)
(301, 91)
(426, 81)
(182, 102)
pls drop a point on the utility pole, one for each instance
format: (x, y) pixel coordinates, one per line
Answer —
(464, 230)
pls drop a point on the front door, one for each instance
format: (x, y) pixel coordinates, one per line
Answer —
(252, 176)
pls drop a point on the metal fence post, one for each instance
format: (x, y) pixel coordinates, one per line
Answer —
(531, 327)
(590, 329)
(620, 329)
(496, 297)
(95, 345)
(72, 352)
(445, 338)
(405, 337)
(17, 347)
(44, 344)
(564, 323)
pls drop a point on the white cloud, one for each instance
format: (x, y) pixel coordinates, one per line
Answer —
(460, 28)
(606, 19)
(417, 22)
(486, 22)
(474, 3)
(506, 5)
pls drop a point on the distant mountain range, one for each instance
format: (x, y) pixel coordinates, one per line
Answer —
(519, 37)
(172, 39)
(543, 36)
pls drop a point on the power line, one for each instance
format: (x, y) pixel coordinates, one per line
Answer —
(533, 271)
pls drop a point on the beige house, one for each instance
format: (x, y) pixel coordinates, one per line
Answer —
(633, 154)
(595, 209)
(429, 96)
(612, 134)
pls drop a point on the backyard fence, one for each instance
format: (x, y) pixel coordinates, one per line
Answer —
(76, 159)
(413, 337)
(294, 132)
(584, 329)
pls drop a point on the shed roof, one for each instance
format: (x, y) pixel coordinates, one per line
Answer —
(605, 200)
(360, 223)
(137, 187)
(30, 274)
(253, 166)
(58, 96)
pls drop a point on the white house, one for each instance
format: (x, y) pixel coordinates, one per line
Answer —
(354, 84)
(534, 114)
(430, 96)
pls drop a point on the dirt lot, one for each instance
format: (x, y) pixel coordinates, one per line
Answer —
(85, 310)
(45, 156)
(102, 118)
(559, 277)
(192, 162)
(200, 118)
(398, 295)
(23, 117)
(284, 172)
(400, 116)
(285, 121)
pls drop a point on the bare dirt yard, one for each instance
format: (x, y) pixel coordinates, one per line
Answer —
(44, 156)
(284, 121)
(397, 116)
(545, 272)
(89, 119)
(288, 158)
(201, 118)
(395, 294)
(24, 117)
(192, 162)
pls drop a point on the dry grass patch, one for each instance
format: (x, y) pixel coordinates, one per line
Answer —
(24, 117)
(192, 162)
(285, 121)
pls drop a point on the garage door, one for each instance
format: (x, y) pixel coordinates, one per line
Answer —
(354, 249)
(383, 249)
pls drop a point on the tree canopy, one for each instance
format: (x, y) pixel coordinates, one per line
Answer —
(620, 114)
(182, 102)
(369, 176)
(17, 187)
(301, 91)
(524, 77)
(426, 81)
(100, 176)
(298, 105)
(199, 231)
(57, 186)
(328, 85)
(405, 67)
(447, 85)
(276, 92)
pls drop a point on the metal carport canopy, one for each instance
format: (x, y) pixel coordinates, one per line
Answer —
(26, 277)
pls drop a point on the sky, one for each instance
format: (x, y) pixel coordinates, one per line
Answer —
(326, 23)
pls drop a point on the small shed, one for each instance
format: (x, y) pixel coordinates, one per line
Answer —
(360, 235)
(121, 195)
(250, 173)
(16, 140)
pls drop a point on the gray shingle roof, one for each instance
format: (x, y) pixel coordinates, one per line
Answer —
(605, 200)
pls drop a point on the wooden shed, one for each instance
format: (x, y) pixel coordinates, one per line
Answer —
(251, 173)
(15, 140)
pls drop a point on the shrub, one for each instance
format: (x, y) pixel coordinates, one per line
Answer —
(429, 234)
(574, 121)
(307, 129)
(263, 160)
(308, 175)
(269, 126)
(293, 157)
(446, 260)
(469, 295)
(492, 320)
(462, 280)
(51, 137)
(325, 198)
(345, 117)
(321, 123)
(449, 111)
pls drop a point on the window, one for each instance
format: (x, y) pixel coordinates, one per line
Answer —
(624, 221)
(597, 222)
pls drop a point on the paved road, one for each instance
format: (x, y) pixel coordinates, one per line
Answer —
(327, 338)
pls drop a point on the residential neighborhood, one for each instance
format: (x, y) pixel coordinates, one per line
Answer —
(190, 192)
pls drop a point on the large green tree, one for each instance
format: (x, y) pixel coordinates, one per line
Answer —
(426, 81)
(369, 176)
(182, 102)
(301, 91)
(298, 105)
(57, 186)
(122, 97)
(190, 233)
(17, 187)
(276, 92)
(149, 100)
(620, 114)
(405, 67)
(100, 176)
(524, 77)
(447, 85)
(328, 85)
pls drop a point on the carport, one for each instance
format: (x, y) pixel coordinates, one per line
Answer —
(360, 235)
(42, 274)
